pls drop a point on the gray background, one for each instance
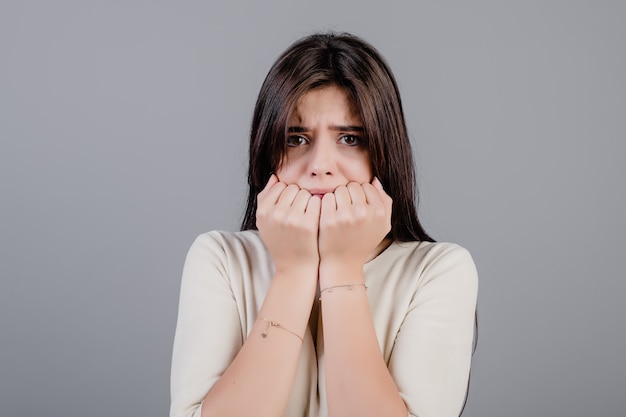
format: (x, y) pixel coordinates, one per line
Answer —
(123, 129)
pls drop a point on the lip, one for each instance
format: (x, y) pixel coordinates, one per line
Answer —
(320, 192)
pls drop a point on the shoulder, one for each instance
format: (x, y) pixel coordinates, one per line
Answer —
(429, 248)
(223, 250)
(442, 253)
(222, 237)
(227, 243)
(429, 254)
(428, 261)
(447, 268)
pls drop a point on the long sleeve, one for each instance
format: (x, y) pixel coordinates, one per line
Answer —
(224, 283)
(431, 358)
(207, 310)
(422, 298)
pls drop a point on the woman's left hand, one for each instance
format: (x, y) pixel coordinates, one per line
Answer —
(353, 221)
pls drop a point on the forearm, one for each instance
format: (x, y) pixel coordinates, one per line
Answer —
(358, 382)
(259, 380)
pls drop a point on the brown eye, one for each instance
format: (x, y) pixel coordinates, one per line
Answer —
(294, 141)
(351, 140)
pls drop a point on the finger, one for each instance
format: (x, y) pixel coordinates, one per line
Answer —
(273, 180)
(270, 183)
(379, 186)
(357, 195)
(329, 203)
(376, 195)
(300, 201)
(372, 194)
(313, 207)
(342, 196)
(288, 195)
(272, 191)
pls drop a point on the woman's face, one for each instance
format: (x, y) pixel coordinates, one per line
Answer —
(325, 147)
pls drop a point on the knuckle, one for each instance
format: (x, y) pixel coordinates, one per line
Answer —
(302, 191)
(361, 213)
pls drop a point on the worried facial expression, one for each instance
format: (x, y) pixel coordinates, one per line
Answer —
(325, 146)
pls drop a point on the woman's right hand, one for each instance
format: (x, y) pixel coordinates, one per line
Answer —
(288, 221)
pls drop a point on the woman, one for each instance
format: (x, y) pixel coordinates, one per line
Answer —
(332, 300)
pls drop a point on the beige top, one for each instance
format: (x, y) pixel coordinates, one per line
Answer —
(422, 297)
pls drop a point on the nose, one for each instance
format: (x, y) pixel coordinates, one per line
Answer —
(323, 159)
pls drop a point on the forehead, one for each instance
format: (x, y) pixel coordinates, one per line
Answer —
(327, 104)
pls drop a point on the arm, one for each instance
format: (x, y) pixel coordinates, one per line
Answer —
(429, 365)
(353, 222)
(358, 382)
(258, 381)
(263, 369)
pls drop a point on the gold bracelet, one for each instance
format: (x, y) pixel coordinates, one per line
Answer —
(272, 323)
(348, 286)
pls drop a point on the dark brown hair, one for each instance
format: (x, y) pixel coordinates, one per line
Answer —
(348, 62)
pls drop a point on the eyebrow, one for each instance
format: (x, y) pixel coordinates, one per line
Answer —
(349, 128)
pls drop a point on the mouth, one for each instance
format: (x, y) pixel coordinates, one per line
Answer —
(319, 193)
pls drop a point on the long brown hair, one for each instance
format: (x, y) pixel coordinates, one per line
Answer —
(352, 64)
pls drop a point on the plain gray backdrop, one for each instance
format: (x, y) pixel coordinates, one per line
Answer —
(123, 128)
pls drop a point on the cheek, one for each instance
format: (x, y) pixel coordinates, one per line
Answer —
(363, 169)
(286, 173)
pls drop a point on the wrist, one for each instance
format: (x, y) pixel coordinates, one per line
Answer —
(333, 273)
(301, 277)
(298, 267)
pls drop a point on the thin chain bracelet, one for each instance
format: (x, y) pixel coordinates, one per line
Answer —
(272, 323)
(348, 286)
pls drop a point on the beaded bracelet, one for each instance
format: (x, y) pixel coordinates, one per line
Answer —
(348, 286)
(272, 323)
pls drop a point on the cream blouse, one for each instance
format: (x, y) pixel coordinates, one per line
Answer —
(422, 297)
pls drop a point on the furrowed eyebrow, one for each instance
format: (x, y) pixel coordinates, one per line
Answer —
(348, 128)
(302, 129)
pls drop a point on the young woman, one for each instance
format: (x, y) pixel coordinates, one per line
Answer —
(332, 300)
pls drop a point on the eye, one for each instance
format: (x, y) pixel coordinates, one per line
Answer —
(296, 140)
(351, 140)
